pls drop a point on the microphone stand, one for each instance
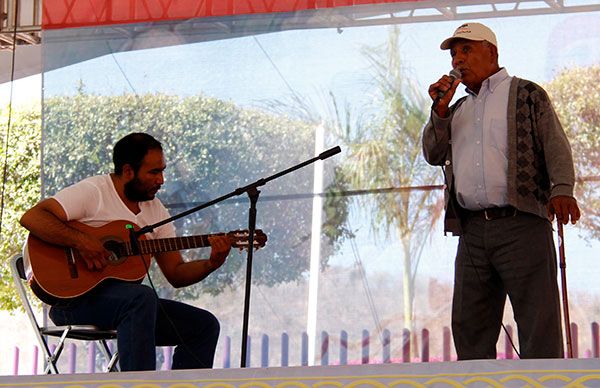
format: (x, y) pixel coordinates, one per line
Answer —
(253, 194)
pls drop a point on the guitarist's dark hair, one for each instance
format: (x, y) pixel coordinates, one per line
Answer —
(131, 150)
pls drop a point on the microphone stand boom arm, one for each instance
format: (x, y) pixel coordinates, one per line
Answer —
(253, 194)
(261, 182)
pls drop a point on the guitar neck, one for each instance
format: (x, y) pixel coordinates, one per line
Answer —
(148, 247)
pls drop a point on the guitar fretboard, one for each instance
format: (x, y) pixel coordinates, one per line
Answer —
(167, 244)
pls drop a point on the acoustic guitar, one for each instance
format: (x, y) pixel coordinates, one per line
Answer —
(61, 273)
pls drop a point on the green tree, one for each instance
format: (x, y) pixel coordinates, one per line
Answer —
(21, 187)
(383, 151)
(212, 147)
(575, 96)
(382, 146)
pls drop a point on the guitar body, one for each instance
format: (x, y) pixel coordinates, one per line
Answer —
(61, 273)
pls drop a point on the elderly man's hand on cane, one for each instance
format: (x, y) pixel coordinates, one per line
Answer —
(566, 209)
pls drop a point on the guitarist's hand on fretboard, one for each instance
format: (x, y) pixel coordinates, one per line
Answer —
(219, 249)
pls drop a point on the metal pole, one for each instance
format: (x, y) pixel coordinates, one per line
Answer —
(315, 247)
(563, 277)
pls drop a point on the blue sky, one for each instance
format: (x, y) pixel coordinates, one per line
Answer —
(253, 68)
(250, 69)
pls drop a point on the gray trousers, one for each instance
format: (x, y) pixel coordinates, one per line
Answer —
(512, 256)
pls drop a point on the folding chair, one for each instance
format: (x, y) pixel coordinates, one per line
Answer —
(75, 332)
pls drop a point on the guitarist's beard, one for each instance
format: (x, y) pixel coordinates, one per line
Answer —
(135, 191)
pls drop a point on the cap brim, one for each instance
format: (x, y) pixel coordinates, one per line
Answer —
(448, 42)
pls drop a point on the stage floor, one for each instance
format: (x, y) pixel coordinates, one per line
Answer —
(492, 373)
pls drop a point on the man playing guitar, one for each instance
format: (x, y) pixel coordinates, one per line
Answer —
(141, 319)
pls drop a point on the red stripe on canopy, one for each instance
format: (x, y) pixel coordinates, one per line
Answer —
(81, 13)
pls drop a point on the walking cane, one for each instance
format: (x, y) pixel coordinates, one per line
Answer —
(563, 277)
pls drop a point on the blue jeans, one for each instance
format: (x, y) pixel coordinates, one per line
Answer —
(143, 321)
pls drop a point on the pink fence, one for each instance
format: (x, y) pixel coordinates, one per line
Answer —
(164, 357)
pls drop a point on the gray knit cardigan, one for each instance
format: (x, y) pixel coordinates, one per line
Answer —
(540, 163)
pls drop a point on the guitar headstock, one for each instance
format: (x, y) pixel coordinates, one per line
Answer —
(239, 238)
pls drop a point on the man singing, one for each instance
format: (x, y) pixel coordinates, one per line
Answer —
(508, 170)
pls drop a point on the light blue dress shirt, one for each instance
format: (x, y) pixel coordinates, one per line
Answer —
(479, 145)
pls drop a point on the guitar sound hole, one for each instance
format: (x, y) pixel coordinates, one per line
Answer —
(113, 247)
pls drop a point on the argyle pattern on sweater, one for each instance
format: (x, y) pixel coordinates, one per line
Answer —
(532, 176)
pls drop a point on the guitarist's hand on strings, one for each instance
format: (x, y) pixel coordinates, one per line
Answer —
(48, 221)
(219, 249)
(92, 252)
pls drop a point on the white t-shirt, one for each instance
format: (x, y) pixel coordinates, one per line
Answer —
(94, 201)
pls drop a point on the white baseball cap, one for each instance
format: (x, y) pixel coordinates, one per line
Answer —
(471, 31)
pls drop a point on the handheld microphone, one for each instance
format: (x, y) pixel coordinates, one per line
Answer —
(454, 74)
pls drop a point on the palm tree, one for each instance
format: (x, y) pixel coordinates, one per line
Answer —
(382, 144)
(383, 151)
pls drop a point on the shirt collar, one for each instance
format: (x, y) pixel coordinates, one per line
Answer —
(491, 83)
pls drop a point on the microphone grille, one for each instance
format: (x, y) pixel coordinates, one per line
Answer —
(455, 73)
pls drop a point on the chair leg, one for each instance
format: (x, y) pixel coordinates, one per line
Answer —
(112, 364)
(52, 357)
(50, 362)
(111, 358)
